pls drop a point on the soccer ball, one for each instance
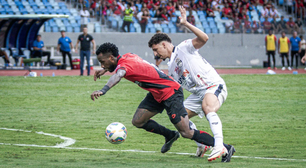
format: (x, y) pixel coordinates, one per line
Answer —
(116, 133)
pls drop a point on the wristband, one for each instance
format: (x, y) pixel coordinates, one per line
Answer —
(105, 89)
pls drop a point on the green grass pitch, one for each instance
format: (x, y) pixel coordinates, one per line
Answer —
(263, 116)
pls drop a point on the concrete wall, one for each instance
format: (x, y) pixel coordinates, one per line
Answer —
(220, 50)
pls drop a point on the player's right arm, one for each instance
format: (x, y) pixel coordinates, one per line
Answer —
(201, 38)
(113, 80)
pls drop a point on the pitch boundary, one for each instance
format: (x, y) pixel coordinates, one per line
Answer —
(69, 141)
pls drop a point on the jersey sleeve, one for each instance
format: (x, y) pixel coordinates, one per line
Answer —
(278, 40)
(266, 38)
(187, 46)
(59, 41)
(79, 38)
(123, 66)
(275, 38)
(69, 40)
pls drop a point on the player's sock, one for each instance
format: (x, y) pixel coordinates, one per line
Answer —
(153, 126)
(216, 127)
(192, 126)
(203, 138)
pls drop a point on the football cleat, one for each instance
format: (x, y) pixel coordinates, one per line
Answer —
(228, 156)
(217, 152)
(201, 150)
(166, 147)
(289, 68)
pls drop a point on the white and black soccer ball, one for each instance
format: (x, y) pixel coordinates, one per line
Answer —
(116, 133)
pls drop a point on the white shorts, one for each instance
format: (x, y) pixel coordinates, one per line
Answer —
(194, 101)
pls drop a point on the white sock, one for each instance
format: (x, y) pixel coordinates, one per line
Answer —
(192, 126)
(216, 127)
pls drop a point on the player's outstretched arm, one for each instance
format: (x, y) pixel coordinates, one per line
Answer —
(113, 80)
(201, 38)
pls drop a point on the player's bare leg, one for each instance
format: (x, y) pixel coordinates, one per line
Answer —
(142, 119)
(201, 137)
(202, 149)
(211, 105)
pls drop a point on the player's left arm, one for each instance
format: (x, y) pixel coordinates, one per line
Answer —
(201, 38)
(94, 46)
(113, 80)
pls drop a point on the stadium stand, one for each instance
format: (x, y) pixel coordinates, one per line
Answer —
(206, 18)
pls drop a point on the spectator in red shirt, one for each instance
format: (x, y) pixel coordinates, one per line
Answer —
(247, 25)
(290, 25)
(227, 12)
(266, 25)
(255, 27)
(170, 9)
(300, 8)
(242, 15)
(237, 24)
(164, 15)
(190, 18)
(210, 12)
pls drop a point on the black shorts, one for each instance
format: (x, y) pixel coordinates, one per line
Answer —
(270, 53)
(284, 54)
(173, 105)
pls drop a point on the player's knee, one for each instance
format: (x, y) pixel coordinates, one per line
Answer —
(137, 123)
(187, 134)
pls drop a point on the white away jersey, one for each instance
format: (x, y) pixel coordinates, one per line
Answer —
(191, 70)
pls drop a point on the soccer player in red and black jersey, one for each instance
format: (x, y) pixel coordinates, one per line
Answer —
(164, 93)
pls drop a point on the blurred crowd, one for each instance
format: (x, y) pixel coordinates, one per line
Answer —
(240, 13)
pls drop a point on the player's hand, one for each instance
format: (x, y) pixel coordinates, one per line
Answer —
(303, 59)
(183, 17)
(96, 94)
(98, 74)
(93, 52)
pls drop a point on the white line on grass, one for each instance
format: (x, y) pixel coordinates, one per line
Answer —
(67, 141)
(70, 141)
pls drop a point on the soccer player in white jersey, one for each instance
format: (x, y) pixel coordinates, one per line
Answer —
(197, 76)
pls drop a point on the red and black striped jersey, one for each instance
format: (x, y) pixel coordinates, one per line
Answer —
(147, 76)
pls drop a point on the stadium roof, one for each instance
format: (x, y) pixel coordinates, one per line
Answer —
(19, 31)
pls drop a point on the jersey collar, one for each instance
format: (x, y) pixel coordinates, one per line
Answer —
(118, 58)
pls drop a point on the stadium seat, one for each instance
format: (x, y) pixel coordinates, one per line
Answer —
(114, 24)
(166, 30)
(69, 29)
(47, 29)
(132, 28)
(221, 30)
(98, 29)
(173, 30)
(212, 24)
(77, 29)
(209, 19)
(205, 25)
(153, 30)
(202, 18)
(163, 25)
(55, 29)
(215, 30)
(207, 30)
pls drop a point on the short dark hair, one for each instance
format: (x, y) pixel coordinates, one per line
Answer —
(157, 38)
(108, 48)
